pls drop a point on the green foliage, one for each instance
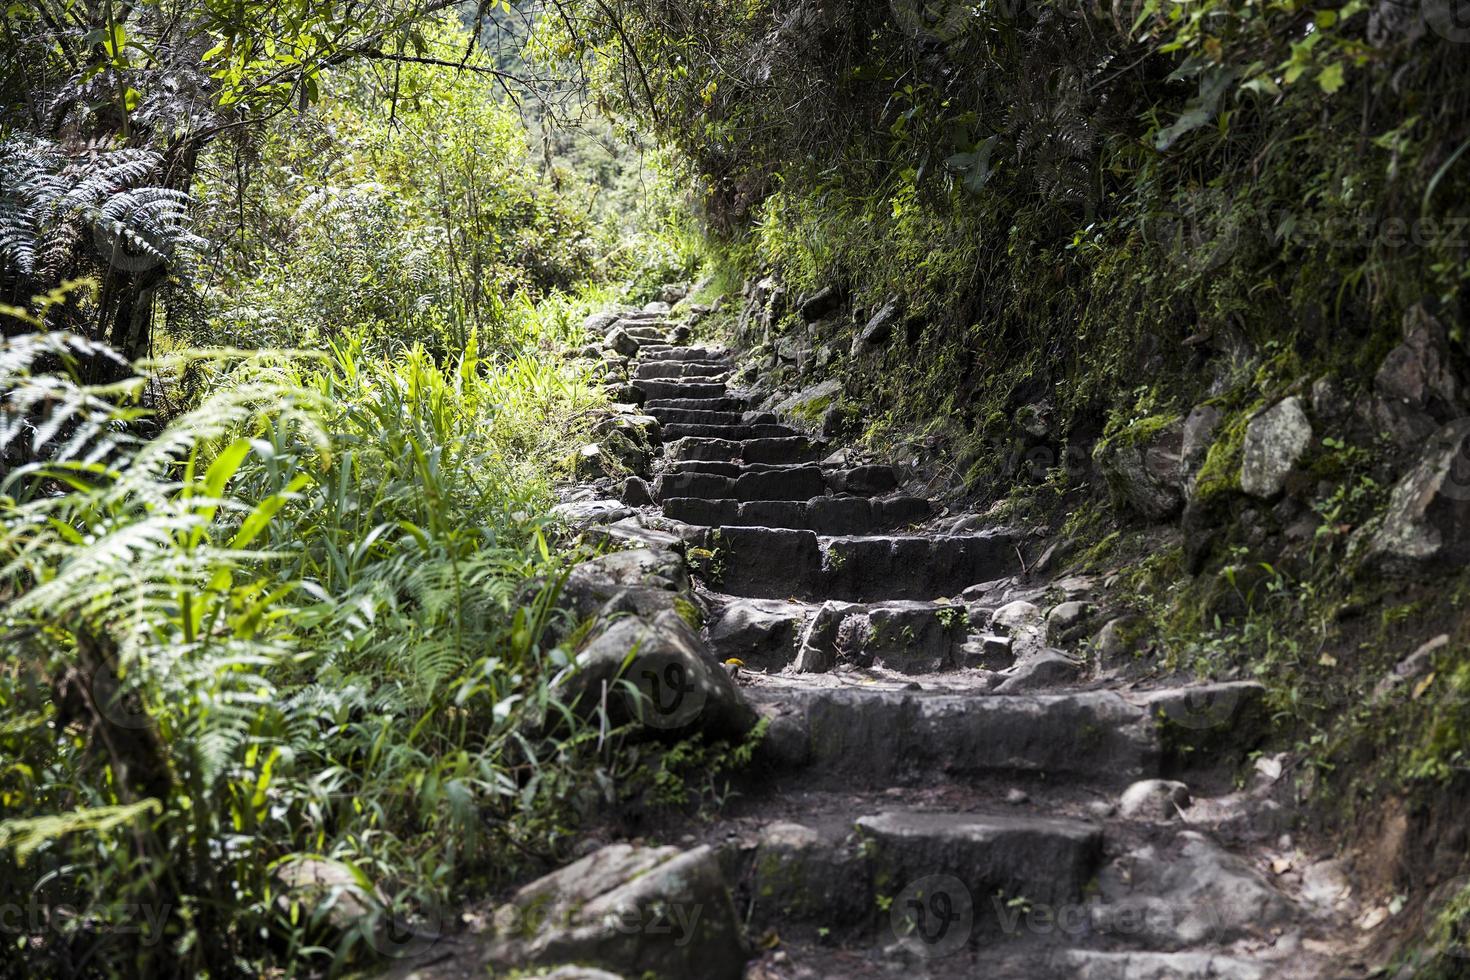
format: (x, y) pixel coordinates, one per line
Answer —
(301, 618)
(404, 206)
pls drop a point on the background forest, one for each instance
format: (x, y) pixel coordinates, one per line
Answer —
(286, 291)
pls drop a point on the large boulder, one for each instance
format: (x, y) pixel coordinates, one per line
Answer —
(1143, 473)
(639, 911)
(810, 403)
(1275, 441)
(1428, 519)
(819, 304)
(763, 633)
(658, 674)
(642, 581)
(1417, 372)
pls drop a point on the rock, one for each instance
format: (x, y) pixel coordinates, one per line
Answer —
(761, 632)
(1428, 518)
(636, 492)
(674, 685)
(1274, 442)
(329, 892)
(658, 308)
(582, 513)
(1089, 964)
(622, 342)
(1327, 399)
(672, 292)
(1065, 620)
(808, 404)
(1049, 668)
(1046, 859)
(1023, 623)
(600, 323)
(800, 875)
(824, 301)
(1119, 640)
(863, 481)
(639, 911)
(1198, 434)
(1154, 799)
(589, 462)
(1144, 477)
(1035, 419)
(1211, 723)
(990, 651)
(834, 421)
(1417, 372)
(1192, 893)
(641, 581)
(880, 327)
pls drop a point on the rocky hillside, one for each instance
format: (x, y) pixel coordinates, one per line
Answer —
(953, 741)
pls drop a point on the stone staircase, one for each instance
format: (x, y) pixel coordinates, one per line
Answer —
(941, 793)
(950, 784)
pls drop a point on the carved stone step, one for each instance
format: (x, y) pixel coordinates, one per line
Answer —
(730, 403)
(794, 449)
(671, 352)
(733, 482)
(696, 416)
(961, 868)
(822, 514)
(876, 738)
(738, 432)
(702, 390)
(655, 370)
(769, 562)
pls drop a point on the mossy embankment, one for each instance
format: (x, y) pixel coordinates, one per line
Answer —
(1114, 238)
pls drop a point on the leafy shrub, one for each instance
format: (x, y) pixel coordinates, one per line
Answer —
(303, 619)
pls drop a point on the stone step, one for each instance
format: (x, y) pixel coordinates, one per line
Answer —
(730, 403)
(657, 370)
(694, 390)
(793, 449)
(647, 332)
(730, 481)
(672, 352)
(876, 738)
(873, 872)
(822, 514)
(860, 481)
(768, 562)
(907, 636)
(696, 416)
(739, 432)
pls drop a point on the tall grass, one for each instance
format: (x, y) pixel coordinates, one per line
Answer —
(305, 618)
